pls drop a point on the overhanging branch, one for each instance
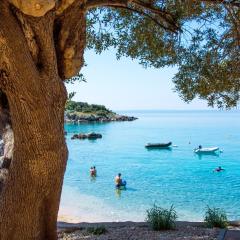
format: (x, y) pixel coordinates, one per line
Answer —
(159, 16)
(155, 20)
(224, 2)
(70, 40)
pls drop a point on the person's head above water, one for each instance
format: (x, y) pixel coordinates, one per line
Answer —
(94, 167)
(119, 174)
(200, 146)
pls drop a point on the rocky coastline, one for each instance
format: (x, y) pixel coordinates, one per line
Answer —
(77, 117)
(81, 112)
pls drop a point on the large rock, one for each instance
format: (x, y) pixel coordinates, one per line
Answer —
(124, 118)
(91, 136)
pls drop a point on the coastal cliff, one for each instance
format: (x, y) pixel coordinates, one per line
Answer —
(80, 112)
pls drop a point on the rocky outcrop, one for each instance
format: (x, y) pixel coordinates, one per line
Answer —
(86, 118)
(82, 112)
(91, 136)
(124, 118)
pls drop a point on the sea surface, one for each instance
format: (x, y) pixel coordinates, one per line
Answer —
(164, 177)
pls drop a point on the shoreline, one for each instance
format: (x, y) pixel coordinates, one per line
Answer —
(141, 231)
(70, 221)
(66, 225)
(78, 207)
(78, 118)
(136, 230)
(65, 221)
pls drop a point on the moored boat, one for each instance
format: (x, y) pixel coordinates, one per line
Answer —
(206, 150)
(158, 145)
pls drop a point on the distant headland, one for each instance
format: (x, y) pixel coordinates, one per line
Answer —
(81, 112)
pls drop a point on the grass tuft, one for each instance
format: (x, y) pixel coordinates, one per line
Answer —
(215, 217)
(161, 218)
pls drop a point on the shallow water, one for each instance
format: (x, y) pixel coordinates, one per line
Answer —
(176, 176)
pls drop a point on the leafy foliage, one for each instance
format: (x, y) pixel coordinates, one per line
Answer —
(71, 95)
(206, 49)
(72, 106)
(215, 217)
(160, 218)
(80, 77)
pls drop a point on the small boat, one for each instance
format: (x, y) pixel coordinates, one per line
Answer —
(158, 145)
(206, 150)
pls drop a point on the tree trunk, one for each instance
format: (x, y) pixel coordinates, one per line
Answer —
(30, 197)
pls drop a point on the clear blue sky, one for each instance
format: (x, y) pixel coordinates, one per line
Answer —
(126, 85)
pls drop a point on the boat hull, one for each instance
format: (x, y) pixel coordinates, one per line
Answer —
(158, 145)
(206, 150)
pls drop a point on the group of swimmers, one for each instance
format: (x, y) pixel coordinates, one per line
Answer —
(118, 179)
(121, 183)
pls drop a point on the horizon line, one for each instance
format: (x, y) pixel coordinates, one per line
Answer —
(172, 109)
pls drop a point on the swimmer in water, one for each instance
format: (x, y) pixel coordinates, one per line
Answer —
(118, 180)
(93, 171)
(218, 169)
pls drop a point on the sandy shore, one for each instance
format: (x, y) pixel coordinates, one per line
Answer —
(77, 207)
(136, 231)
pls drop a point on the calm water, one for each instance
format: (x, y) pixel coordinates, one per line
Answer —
(177, 177)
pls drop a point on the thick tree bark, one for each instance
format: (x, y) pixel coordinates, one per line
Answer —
(36, 96)
(30, 198)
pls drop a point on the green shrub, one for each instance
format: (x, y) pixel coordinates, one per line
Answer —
(97, 230)
(85, 107)
(160, 218)
(215, 217)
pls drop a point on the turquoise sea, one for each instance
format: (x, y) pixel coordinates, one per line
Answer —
(178, 176)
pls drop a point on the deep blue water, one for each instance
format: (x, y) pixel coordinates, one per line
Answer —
(177, 177)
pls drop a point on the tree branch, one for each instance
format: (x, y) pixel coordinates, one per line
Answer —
(11, 41)
(155, 20)
(64, 5)
(70, 35)
(146, 9)
(160, 13)
(42, 28)
(102, 3)
(224, 2)
(70, 40)
(29, 35)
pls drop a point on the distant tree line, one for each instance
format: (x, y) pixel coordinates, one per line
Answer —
(72, 106)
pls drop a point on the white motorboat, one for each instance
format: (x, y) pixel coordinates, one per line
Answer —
(206, 150)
